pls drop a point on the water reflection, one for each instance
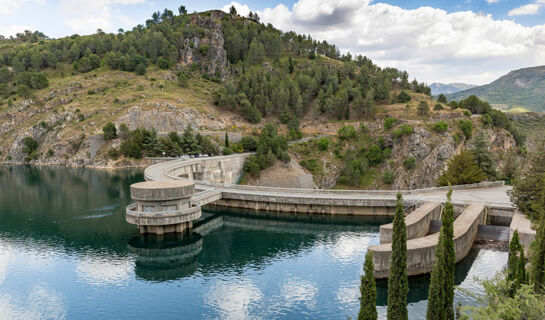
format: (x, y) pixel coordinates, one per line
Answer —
(165, 257)
(67, 252)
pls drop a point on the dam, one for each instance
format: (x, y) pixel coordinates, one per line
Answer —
(215, 187)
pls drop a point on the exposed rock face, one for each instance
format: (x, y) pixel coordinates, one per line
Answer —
(285, 175)
(167, 118)
(207, 50)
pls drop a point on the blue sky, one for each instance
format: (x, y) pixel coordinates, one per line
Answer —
(472, 41)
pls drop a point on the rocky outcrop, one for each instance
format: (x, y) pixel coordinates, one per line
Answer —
(206, 49)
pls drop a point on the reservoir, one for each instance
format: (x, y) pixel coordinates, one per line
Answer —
(66, 252)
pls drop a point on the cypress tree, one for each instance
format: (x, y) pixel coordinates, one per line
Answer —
(513, 264)
(522, 277)
(368, 291)
(226, 140)
(441, 293)
(398, 284)
(537, 273)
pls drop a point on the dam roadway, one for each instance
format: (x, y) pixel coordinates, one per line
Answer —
(475, 205)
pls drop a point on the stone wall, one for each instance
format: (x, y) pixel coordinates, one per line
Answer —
(418, 222)
(421, 251)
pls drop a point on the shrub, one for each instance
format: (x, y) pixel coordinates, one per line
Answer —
(251, 165)
(487, 121)
(456, 138)
(30, 146)
(404, 130)
(467, 113)
(389, 123)
(109, 131)
(346, 132)
(249, 143)
(113, 153)
(375, 155)
(423, 108)
(163, 63)
(467, 127)
(388, 176)
(50, 153)
(323, 144)
(227, 151)
(409, 163)
(462, 169)
(24, 91)
(311, 165)
(204, 49)
(438, 107)
(403, 97)
(440, 127)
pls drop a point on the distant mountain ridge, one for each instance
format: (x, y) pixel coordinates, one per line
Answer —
(522, 88)
(438, 88)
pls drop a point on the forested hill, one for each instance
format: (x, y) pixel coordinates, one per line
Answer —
(264, 71)
(522, 89)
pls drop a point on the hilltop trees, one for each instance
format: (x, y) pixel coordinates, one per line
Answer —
(368, 290)
(462, 169)
(398, 284)
(441, 293)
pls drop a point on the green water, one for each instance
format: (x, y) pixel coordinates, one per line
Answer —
(67, 252)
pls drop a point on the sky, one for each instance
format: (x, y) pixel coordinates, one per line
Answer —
(470, 41)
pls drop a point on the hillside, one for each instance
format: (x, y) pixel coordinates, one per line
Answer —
(182, 82)
(523, 89)
(438, 88)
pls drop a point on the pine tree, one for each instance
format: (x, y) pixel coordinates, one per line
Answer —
(480, 152)
(398, 284)
(462, 169)
(368, 291)
(537, 273)
(441, 293)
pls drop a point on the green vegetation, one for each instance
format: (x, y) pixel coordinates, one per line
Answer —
(462, 169)
(499, 119)
(409, 163)
(423, 108)
(30, 147)
(440, 127)
(390, 122)
(537, 271)
(368, 290)
(388, 176)
(403, 130)
(529, 190)
(109, 131)
(441, 293)
(403, 97)
(323, 144)
(142, 142)
(346, 132)
(398, 283)
(479, 150)
(467, 127)
(270, 147)
(516, 265)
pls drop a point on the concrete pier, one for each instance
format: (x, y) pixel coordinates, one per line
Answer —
(162, 206)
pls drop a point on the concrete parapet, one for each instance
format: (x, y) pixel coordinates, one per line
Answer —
(421, 251)
(162, 190)
(524, 226)
(418, 222)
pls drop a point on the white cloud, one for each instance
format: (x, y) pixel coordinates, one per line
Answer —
(429, 43)
(242, 9)
(12, 30)
(9, 7)
(527, 9)
(492, 1)
(86, 17)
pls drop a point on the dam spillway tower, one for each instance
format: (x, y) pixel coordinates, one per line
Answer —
(162, 206)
